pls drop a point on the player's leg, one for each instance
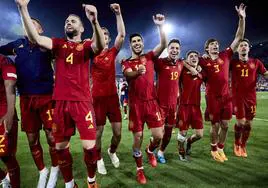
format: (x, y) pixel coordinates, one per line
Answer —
(100, 163)
(46, 109)
(62, 133)
(13, 176)
(65, 160)
(197, 124)
(225, 118)
(245, 136)
(84, 117)
(115, 118)
(214, 116)
(100, 109)
(125, 104)
(54, 171)
(4, 179)
(116, 138)
(137, 155)
(250, 114)
(182, 142)
(31, 124)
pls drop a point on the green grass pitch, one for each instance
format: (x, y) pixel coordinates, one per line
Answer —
(202, 171)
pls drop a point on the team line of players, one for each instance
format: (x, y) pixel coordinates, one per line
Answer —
(72, 104)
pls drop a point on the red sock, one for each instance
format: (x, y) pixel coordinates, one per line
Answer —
(37, 154)
(213, 147)
(245, 135)
(220, 146)
(238, 132)
(138, 158)
(13, 170)
(153, 145)
(90, 159)
(166, 138)
(125, 109)
(65, 162)
(2, 174)
(98, 154)
(113, 148)
(53, 156)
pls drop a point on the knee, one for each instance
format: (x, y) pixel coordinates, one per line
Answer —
(199, 135)
(224, 126)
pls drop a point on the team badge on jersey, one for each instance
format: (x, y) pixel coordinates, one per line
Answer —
(143, 60)
(167, 67)
(64, 46)
(238, 66)
(220, 61)
(106, 59)
(208, 64)
(79, 47)
(252, 66)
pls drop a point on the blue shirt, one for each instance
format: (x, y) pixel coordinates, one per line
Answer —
(34, 68)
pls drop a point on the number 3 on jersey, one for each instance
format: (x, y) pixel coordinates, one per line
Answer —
(70, 58)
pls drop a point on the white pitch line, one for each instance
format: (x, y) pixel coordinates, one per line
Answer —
(260, 119)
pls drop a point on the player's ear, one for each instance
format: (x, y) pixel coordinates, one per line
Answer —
(82, 29)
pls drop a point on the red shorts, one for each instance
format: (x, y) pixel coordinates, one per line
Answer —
(219, 108)
(142, 112)
(107, 106)
(244, 108)
(8, 142)
(68, 114)
(189, 115)
(169, 114)
(36, 111)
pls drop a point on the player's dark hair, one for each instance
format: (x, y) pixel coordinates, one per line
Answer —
(106, 30)
(38, 21)
(135, 35)
(174, 41)
(208, 42)
(75, 15)
(245, 40)
(191, 51)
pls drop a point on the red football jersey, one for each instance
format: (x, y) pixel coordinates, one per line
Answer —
(72, 70)
(7, 72)
(141, 87)
(103, 73)
(168, 76)
(190, 88)
(244, 77)
(217, 72)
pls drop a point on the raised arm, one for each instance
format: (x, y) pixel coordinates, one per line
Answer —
(241, 11)
(33, 35)
(159, 20)
(121, 32)
(98, 38)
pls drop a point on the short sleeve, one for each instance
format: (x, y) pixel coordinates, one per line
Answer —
(8, 49)
(56, 43)
(8, 69)
(124, 66)
(261, 68)
(88, 49)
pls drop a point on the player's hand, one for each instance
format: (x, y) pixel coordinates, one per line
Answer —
(193, 71)
(205, 56)
(159, 19)
(199, 68)
(7, 121)
(22, 2)
(141, 69)
(91, 13)
(115, 8)
(241, 10)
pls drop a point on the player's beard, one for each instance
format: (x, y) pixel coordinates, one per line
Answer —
(71, 34)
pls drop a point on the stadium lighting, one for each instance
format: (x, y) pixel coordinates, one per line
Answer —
(168, 28)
